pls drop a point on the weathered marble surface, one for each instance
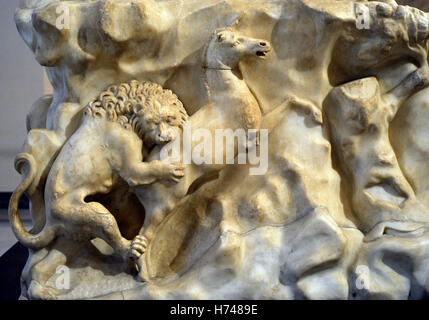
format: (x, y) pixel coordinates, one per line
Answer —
(341, 212)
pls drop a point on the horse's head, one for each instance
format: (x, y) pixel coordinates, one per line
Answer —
(226, 48)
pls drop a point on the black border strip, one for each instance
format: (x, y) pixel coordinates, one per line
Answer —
(5, 197)
(163, 309)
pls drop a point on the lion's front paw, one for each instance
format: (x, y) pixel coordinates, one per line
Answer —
(173, 172)
(138, 247)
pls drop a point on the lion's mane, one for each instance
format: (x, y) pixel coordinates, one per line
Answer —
(128, 102)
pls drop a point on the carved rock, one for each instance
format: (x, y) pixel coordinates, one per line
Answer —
(330, 98)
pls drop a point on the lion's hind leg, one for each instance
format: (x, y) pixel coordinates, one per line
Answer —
(106, 228)
(91, 220)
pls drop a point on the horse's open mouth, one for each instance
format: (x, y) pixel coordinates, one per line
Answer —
(261, 53)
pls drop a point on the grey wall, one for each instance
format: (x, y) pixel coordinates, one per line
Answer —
(21, 83)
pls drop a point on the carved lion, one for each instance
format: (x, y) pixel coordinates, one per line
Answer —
(118, 129)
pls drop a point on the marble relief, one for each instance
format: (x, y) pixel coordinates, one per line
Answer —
(226, 149)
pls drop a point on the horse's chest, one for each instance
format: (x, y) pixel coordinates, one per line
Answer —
(247, 111)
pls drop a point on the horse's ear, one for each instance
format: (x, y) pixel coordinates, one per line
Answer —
(235, 23)
(220, 30)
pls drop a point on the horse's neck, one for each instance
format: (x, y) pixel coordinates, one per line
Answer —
(223, 83)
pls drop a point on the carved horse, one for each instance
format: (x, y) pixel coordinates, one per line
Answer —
(231, 105)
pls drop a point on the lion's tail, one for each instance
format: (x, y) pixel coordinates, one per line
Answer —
(29, 240)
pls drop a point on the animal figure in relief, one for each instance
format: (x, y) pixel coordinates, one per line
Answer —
(231, 105)
(118, 129)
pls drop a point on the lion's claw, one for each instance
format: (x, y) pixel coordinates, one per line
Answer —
(138, 247)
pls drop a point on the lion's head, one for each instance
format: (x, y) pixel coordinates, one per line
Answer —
(155, 114)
